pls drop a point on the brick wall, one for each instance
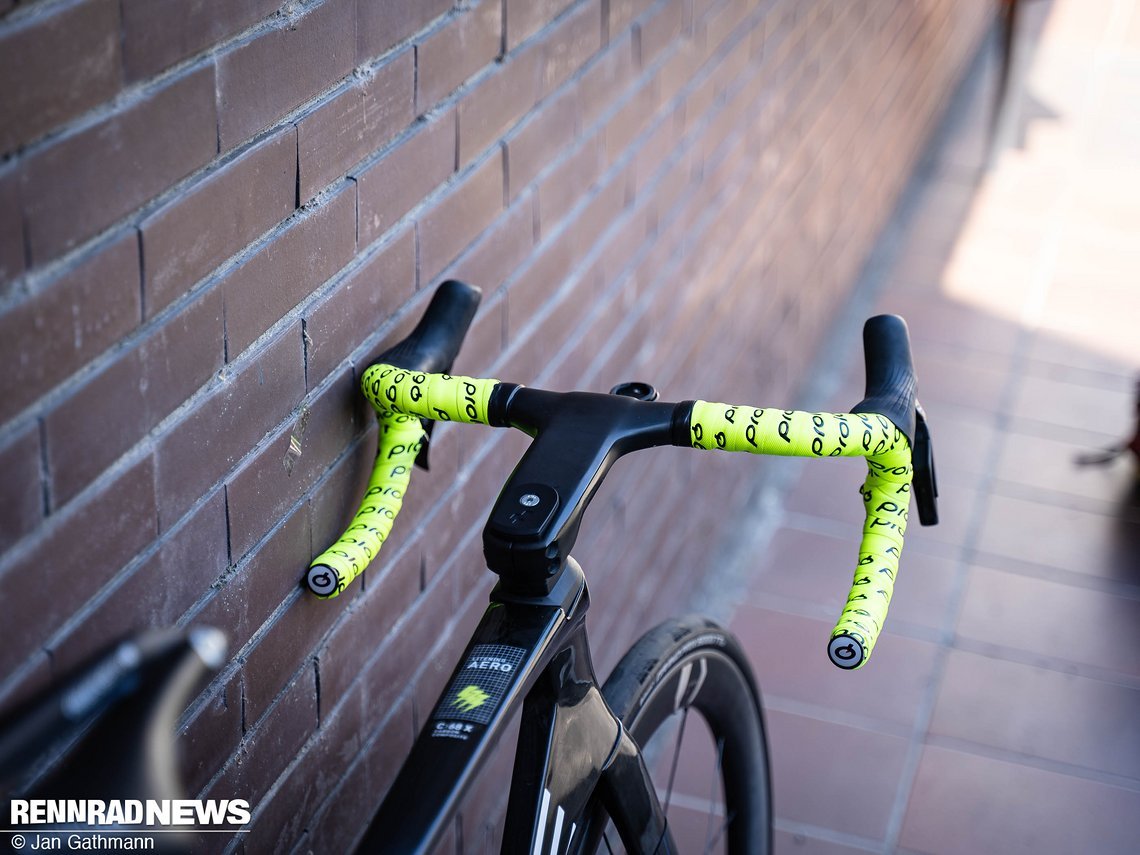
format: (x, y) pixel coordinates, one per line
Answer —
(214, 212)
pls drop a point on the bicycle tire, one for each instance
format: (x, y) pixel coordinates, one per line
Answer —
(692, 663)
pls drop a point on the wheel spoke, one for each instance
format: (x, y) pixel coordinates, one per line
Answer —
(676, 758)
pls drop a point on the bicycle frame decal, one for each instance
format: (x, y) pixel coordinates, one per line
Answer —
(477, 688)
(559, 818)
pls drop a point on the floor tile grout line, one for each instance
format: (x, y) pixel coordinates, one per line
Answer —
(1029, 659)
(811, 609)
(828, 835)
(825, 526)
(830, 715)
(1035, 761)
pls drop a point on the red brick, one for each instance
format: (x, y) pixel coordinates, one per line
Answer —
(605, 80)
(657, 32)
(181, 355)
(117, 406)
(303, 56)
(458, 218)
(270, 745)
(286, 646)
(568, 46)
(720, 23)
(670, 188)
(599, 216)
(362, 119)
(624, 12)
(318, 243)
(21, 489)
(80, 184)
(160, 590)
(257, 587)
(527, 17)
(454, 53)
(335, 500)
(56, 66)
(365, 634)
(69, 320)
(359, 305)
(159, 33)
(71, 558)
(568, 182)
(204, 445)
(536, 344)
(266, 487)
(333, 755)
(11, 227)
(397, 182)
(211, 736)
(199, 229)
(630, 120)
(533, 146)
(654, 151)
(398, 730)
(338, 829)
(498, 253)
(381, 26)
(680, 67)
(620, 244)
(391, 669)
(498, 102)
(484, 342)
(452, 540)
(542, 278)
(698, 103)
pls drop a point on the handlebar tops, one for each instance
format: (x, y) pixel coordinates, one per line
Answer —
(579, 435)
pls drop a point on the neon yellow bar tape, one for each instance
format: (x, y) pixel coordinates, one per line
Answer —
(432, 396)
(886, 496)
(333, 570)
(400, 398)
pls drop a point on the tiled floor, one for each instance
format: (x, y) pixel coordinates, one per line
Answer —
(1001, 711)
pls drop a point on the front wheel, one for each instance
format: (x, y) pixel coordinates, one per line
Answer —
(711, 769)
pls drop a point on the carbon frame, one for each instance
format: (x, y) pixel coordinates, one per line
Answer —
(570, 747)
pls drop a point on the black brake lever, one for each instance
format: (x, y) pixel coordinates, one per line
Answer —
(435, 342)
(925, 482)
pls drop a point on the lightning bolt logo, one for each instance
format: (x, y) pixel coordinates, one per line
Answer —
(470, 698)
